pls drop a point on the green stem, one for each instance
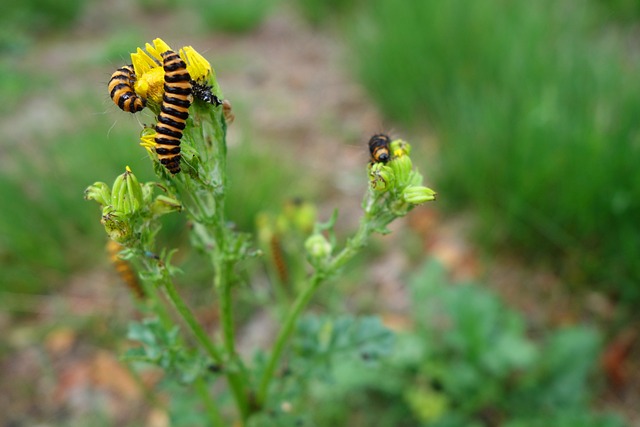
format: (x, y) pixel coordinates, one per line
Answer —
(215, 419)
(235, 377)
(285, 332)
(226, 314)
(191, 321)
(211, 203)
(368, 225)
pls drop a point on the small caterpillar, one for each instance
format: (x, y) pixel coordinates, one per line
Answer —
(379, 148)
(124, 269)
(121, 90)
(229, 117)
(174, 110)
(277, 257)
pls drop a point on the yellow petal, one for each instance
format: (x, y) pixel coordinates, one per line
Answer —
(148, 141)
(198, 67)
(159, 47)
(142, 62)
(150, 85)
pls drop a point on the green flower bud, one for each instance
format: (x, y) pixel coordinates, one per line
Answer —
(147, 192)
(126, 194)
(300, 214)
(264, 225)
(100, 192)
(318, 247)
(400, 148)
(402, 167)
(116, 225)
(164, 205)
(418, 194)
(415, 179)
(134, 191)
(381, 177)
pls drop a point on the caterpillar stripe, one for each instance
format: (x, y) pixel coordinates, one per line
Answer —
(124, 269)
(121, 90)
(379, 148)
(174, 110)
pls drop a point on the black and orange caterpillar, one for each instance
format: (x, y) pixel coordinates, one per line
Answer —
(121, 90)
(379, 148)
(174, 110)
(124, 269)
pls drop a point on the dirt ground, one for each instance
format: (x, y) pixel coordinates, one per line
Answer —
(288, 84)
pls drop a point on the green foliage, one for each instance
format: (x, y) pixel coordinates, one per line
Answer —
(44, 192)
(23, 20)
(621, 10)
(319, 12)
(279, 181)
(131, 208)
(234, 16)
(321, 345)
(163, 347)
(536, 107)
(468, 362)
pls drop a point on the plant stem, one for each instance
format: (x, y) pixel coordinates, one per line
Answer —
(213, 230)
(285, 332)
(236, 380)
(190, 320)
(373, 220)
(215, 419)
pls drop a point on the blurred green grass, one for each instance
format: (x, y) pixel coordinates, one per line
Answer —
(233, 16)
(535, 105)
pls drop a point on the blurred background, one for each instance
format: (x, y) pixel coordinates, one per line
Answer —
(523, 116)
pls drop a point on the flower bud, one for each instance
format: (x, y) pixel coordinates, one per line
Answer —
(126, 194)
(402, 167)
(134, 191)
(418, 194)
(116, 225)
(400, 148)
(415, 179)
(100, 192)
(164, 205)
(147, 192)
(300, 214)
(381, 177)
(317, 246)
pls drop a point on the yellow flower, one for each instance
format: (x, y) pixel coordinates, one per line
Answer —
(400, 148)
(148, 139)
(150, 85)
(147, 65)
(198, 67)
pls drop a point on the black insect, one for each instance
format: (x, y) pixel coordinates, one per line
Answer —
(379, 148)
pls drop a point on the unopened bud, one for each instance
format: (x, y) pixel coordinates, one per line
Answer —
(116, 225)
(418, 194)
(100, 192)
(164, 205)
(400, 148)
(381, 177)
(317, 246)
(402, 167)
(300, 214)
(126, 194)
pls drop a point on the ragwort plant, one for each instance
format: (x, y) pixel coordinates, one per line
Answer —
(131, 213)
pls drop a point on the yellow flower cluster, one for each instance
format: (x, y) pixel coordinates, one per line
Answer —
(147, 65)
(149, 84)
